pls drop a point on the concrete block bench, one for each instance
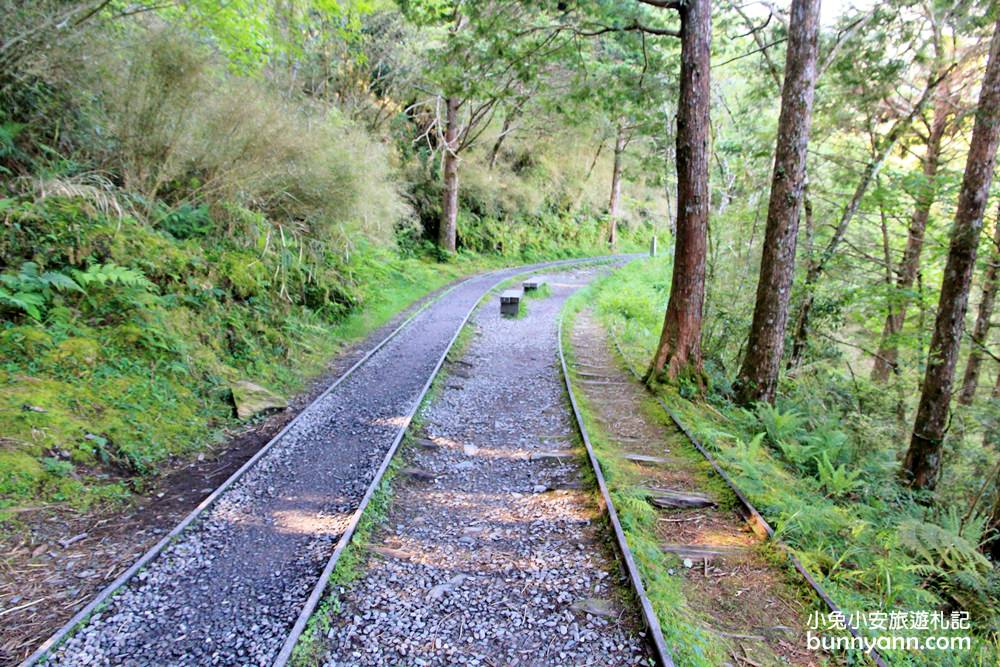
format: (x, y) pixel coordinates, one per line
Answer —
(510, 302)
(533, 283)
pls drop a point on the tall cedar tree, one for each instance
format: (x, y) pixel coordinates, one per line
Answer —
(981, 330)
(886, 358)
(758, 376)
(614, 204)
(679, 349)
(448, 225)
(922, 465)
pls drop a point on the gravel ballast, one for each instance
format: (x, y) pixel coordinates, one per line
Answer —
(493, 552)
(229, 588)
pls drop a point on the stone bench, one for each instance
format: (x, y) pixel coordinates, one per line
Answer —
(533, 283)
(510, 302)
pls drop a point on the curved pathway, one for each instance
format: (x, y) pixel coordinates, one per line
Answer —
(231, 585)
(493, 552)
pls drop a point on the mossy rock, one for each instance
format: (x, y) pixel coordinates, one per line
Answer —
(251, 400)
(76, 356)
(27, 340)
(20, 474)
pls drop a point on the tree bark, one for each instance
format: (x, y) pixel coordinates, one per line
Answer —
(614, 204)
(992, 546)
(447, 230)
(970, 381)
(679, 349)
(508, 122)
(758, 377)
(922, 465)
(888, 350)
(992, 427)
(817, 268)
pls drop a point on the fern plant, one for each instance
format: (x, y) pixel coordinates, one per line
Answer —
(103, 275)
(30, 290)
(781, 427)
(952, 565)
(837, 480)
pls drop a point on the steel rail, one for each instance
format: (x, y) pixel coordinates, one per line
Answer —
(750, 513)
(662, 653)
(285, 655)
(81, 617)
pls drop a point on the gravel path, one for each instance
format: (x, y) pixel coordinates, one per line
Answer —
(229, 589)
(492, 553)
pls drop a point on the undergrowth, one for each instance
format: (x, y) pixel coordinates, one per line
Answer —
(823, 473)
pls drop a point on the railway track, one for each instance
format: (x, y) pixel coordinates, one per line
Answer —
(491, 551)
(694, 498)
(224, 584)
(649, 617)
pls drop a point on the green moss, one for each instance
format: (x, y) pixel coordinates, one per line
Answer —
(25, 339)
(20, 474)
(243, 273)
(74, 356)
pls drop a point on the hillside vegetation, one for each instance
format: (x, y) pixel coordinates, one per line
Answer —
(182, 211)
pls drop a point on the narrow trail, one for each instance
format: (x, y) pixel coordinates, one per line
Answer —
(229, 587)
(492, 552)
(728, 579)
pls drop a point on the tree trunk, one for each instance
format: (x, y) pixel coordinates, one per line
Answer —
(817, 268)
(508, 121)
(888, 349)
(614, 205)
(991, 547)
(992, 427)
(922, 464)
(758, 376)
(679, 349)
(447, 231)
(970, 381)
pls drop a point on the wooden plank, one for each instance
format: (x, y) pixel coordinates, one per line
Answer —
(644, 458)
(699, 552)
(510, 302)
(670, 499)
(511, 295)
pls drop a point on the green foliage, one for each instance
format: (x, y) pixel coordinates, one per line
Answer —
(110, 274)
(825, 476)
(836, 480)
(187, 221)
(781, 427)
(29, 290)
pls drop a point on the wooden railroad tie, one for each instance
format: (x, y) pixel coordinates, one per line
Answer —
(670, 499)
(701, 552)
(644, 458)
